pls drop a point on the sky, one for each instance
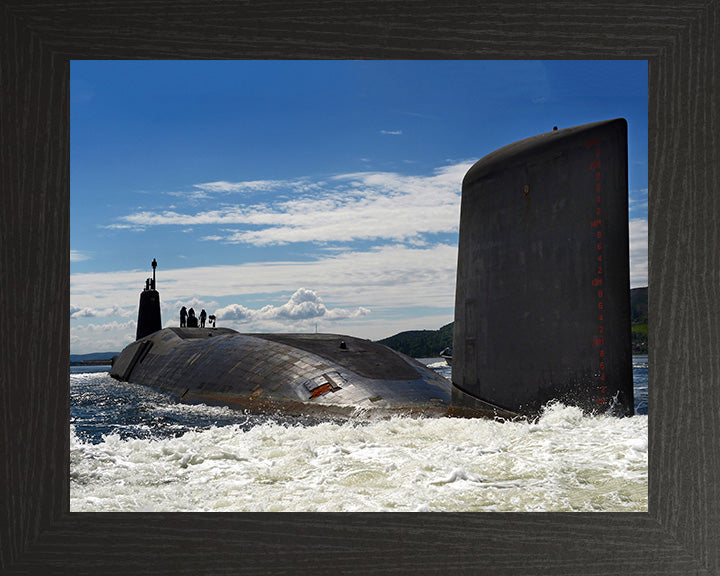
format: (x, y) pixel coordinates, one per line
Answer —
(303, 196)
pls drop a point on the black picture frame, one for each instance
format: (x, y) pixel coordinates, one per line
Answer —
(680, 534)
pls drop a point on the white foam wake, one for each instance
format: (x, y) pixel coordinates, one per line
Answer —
(564, 461)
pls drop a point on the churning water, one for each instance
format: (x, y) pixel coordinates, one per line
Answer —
(134, 449)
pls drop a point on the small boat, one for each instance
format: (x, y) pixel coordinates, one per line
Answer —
(446, 354)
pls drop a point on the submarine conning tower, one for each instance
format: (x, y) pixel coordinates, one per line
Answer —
(149, 320)
(542, 308)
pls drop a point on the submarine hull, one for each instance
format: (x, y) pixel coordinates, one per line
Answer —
(326, 375)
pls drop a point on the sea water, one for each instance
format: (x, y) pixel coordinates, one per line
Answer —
(135, 449)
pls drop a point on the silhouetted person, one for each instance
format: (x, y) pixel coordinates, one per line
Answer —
(183, 316)
(212, 319)
(192, 321)
(203, 315)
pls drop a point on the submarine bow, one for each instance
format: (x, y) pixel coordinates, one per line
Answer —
(325, 375)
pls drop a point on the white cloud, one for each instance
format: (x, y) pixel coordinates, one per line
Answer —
(638, 253)
(303, 305)
(235, 187)
(193, 195)
(300, 313)
(77, 256)
(235, 312)
(387, 277)
(358, 206)
(109, 337)
(88, 312)
(131, 227)
(638, 199)
(406, 287)
(391, 132)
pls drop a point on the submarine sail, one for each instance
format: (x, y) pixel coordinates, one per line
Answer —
(542, 304)
(149, 319)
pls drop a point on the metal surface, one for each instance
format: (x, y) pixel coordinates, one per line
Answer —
(542, 306)
(149, 320)
(309, 374)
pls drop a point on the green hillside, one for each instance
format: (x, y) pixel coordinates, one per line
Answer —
(421, 343)
(639, 305)
(429, 343)
(94, 359)
(639, 320)
(93, 356)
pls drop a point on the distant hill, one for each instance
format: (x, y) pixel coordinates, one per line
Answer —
(639, 305)
(429, 343)
(639, 320)
(421, 343)
(93, 358)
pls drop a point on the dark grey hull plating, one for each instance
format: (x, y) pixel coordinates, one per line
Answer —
(542, 302)
(303, 374)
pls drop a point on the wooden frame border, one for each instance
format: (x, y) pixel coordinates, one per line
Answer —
(681, 532)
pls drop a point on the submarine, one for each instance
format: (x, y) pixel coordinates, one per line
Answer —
(317, 375)
(542, 308)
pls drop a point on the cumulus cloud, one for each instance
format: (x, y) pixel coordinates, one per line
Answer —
(304, 304)
(235, 312)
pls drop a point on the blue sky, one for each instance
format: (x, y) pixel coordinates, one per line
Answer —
(293, 195)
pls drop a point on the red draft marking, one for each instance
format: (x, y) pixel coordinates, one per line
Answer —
(597, 282)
